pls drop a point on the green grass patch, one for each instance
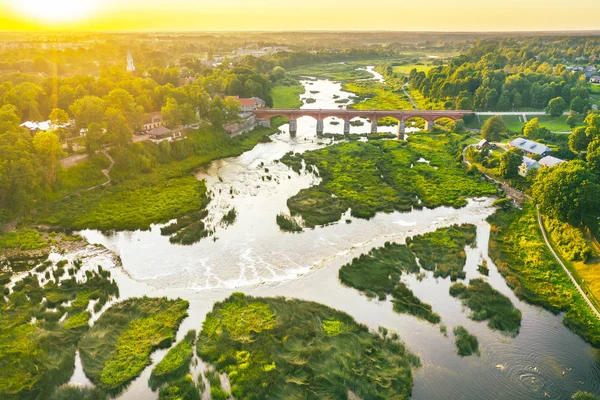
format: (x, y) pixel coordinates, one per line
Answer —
(518, 250)
(466, 344)
(487, 304)
(299, 349)
(23, 239)
(336, 72)
(384, 176)
(118, 347)
(287, 96)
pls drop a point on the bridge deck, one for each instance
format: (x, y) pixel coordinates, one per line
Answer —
(293, 113)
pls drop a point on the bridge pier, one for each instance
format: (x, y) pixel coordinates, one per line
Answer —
(401, 129)
(320, 127)
(374, 126)
(429, 126)
(346, 127)
(293, 127)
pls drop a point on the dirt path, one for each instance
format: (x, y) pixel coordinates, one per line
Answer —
(106, 172)
(410, 97)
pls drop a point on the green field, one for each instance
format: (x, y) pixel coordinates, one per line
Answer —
(404, 70)
(515, 123)
(287, 96)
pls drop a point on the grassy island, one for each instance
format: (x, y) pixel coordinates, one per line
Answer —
(118, 347)
(384, 176)
(42, 317)
(466, 344)
(443, 251)
(518, 249)
(278, 348)
(486, 303)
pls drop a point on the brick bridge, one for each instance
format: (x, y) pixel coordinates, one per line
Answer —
(430, 116)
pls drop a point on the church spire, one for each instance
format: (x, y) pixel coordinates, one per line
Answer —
(130, 66)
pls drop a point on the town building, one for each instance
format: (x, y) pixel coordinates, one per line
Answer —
(530, 146)
(590, 70)
(162, 133)
(482, 145)
(550, 161)
(595, 79)
(154, 121)
(251, 104)
(527, 165)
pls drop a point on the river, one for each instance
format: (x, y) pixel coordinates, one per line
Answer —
(545, 360)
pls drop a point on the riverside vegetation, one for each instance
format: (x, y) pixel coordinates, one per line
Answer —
(486, 303)
(383, 176)
(43, 316)
(466, 344)
(171, 374)
(118, 347)
(377, 273)
(518, 249)
(278, 348)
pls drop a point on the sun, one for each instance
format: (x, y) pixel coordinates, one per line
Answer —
(54, 11)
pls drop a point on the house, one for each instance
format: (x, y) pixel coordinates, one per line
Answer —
(530, 146)
(34, 127)
(482, 145)
(251, 104)
(595, 79)
(162, 133)
(589, 71)
(154, 121)
(527, 165)
(550, 161)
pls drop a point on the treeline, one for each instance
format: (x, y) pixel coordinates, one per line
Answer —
(512, 74)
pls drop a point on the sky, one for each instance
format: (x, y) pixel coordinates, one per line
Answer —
(286, 15)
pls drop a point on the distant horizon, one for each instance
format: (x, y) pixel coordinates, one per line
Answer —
(308, 15)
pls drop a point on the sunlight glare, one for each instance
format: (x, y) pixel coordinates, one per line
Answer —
(54, 10)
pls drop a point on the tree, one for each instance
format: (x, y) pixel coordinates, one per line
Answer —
(59, 117)
(572, 119)
(48, 149)
(567, 191)
(578, 105)
(493, 127)
(171, 114)
(593, 156)
(592, 122)
(579, 140)
(556, 107)
(532, 128)
(278, 72)
(87, 110)
(117, 128)
(509, 163)
(94, 138)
